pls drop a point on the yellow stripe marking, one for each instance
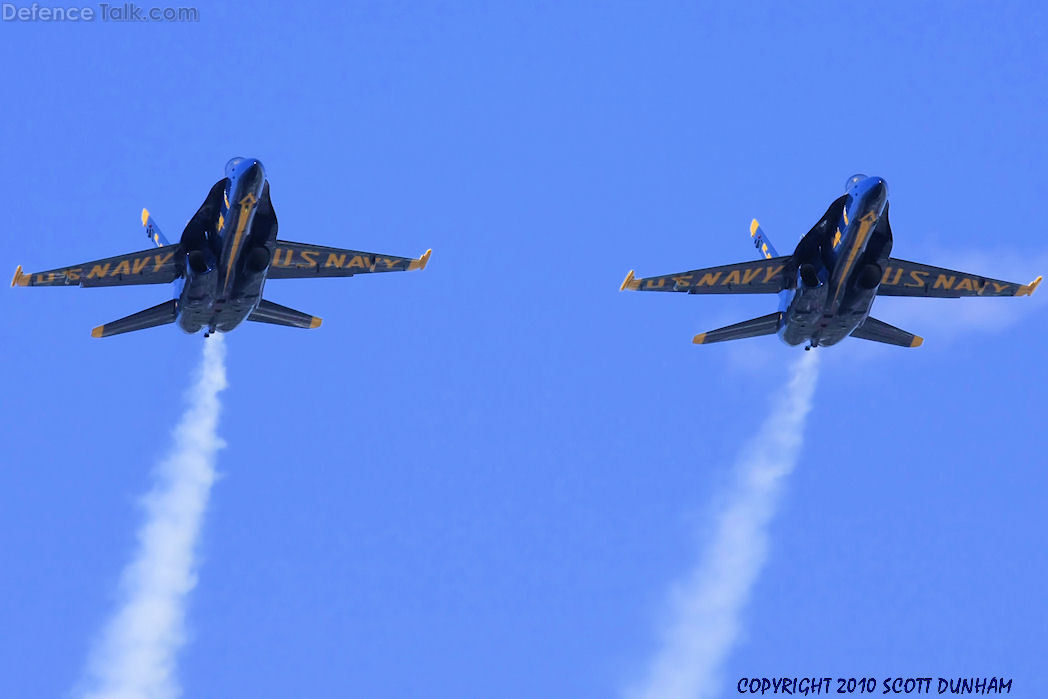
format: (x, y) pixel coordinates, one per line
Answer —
(754, 226)
(246, 205)
(145, 217)
(865, 226)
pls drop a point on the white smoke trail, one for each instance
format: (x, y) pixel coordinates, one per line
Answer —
(706, 607)
(136, 653)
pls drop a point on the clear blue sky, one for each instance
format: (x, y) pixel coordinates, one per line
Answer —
(481, 479)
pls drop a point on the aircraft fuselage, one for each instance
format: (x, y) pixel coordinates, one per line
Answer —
(838, 267)
(227, 247)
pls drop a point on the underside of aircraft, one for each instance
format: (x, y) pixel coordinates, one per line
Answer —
(827, 286)
(227, 252)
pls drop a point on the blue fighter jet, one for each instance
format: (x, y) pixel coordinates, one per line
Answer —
(221, 263)
(827, 286)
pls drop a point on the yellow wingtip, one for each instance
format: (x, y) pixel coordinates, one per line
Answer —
(917, 341)
(1028, 289)
(20, 278)
(699, 339)
(421, 262)
(97, 332)
(753, 227)
(145, 217)
(315, 323)
(630, 282)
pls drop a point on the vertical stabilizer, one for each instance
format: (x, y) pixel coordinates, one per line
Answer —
(761, 242)
(153, 230)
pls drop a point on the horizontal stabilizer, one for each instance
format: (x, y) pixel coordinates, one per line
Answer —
(161, 314)
(269, 312)
(765, 325)
(879, 331)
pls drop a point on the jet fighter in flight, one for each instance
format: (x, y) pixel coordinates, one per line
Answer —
(221, 263)
(827, 286)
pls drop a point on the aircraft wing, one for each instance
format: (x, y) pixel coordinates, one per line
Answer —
(902, 278)
(759, 277)
(301, 261)
(155, 266)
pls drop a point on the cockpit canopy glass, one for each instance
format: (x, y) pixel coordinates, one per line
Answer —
(853, 180)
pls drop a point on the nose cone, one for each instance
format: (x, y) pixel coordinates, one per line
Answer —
(249, 178)
(877, 194)
(251, 167)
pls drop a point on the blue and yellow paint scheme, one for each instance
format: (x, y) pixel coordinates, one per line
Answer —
(828, 285)
(220, 265)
